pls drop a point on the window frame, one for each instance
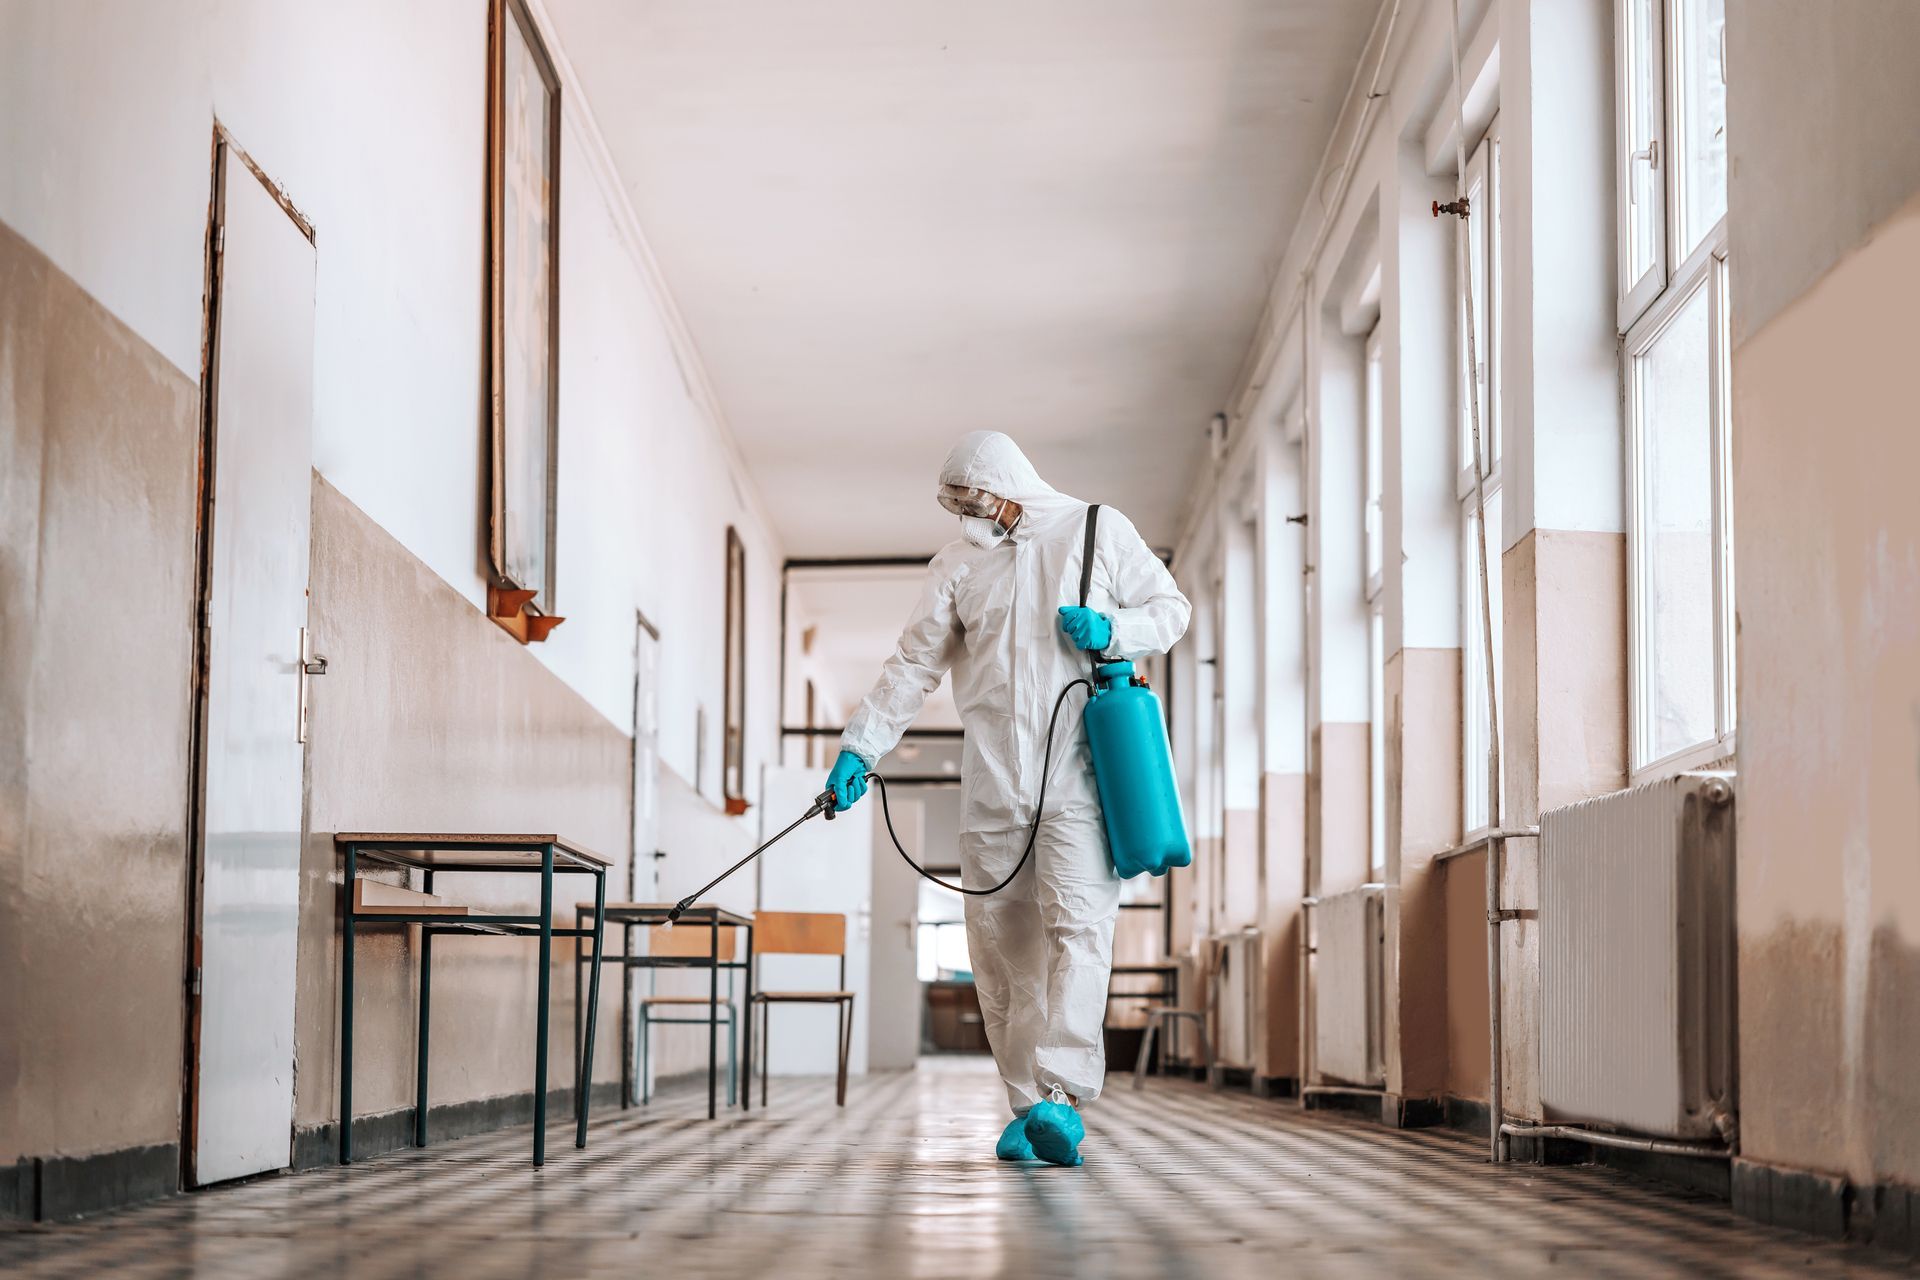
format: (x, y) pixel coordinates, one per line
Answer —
(1374, 434)
(1646, 307)
(1705, 269)
(1637, 294)
(1483, 173)
(733, 723)
(1376, 741)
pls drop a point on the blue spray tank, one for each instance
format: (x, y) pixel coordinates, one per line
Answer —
(1132, 759)
(1133, 767)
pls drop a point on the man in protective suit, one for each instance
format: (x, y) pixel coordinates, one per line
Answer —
(1001, 610)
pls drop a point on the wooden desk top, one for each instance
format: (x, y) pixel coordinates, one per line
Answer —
(502, 851)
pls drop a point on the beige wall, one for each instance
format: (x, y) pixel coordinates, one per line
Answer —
(1283, 853)
(1465, 886)
(430, 718)
(1337, 807)
(1423, 819)
(1827, 446)
(98, 447)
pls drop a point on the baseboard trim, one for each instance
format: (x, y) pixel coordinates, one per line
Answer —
(57, 1188)
(1469, 1115)
(383, 1131)
(1815, 1203)
(1219, 1078)
(1275, 1087)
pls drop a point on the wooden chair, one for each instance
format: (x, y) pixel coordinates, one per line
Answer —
(803, 933)
(693, 941)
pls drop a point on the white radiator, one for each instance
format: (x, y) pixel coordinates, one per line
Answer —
(1349, 1006)
(1179, 1042)
(1236, 974)
(1637, 959)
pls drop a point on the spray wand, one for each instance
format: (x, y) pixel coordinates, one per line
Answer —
(822, 803)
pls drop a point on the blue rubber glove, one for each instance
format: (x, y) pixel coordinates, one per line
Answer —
(1088, 630)
(848, 781)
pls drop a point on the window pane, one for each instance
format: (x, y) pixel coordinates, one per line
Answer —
(1482, 232)
(1473, 684)
(1376, 474)
(1377, 751)
(1475, 230)
(1673, 395)
(1700, 118)
(1640, 120)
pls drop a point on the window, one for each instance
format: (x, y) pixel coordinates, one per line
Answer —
(1376, 469)
(1473, 684)
(1677, 362)
(1377, 747)
(1478, 372)
(1376, 533)
(733, 760)
(813, 713)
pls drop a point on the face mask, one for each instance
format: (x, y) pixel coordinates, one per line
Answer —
(980, 531)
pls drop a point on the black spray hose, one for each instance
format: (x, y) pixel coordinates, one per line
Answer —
(1039, 806)
(823, 803)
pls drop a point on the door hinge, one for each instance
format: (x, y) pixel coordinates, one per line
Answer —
(193, 981)
(220, 238)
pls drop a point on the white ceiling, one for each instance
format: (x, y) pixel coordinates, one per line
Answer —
(889, 222)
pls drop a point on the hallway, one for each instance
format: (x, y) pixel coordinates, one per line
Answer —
(1431, 481)
(1179, 1181)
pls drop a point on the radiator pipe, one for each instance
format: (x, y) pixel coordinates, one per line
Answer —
(1496, 1094)
(1655, 1146)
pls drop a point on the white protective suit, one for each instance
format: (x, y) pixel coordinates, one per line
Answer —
(1042, 948)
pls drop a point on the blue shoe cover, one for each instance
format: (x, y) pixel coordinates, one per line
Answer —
(1013, 1144)
(1055, 1131)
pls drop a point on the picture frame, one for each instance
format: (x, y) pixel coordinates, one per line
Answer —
(522, 320)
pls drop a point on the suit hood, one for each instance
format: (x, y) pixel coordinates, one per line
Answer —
(990, 460)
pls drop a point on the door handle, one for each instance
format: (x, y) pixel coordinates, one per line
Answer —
(311, 665)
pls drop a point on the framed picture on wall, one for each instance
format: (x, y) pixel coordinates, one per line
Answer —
(523, 312)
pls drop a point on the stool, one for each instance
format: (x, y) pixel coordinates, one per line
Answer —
(1157, 1016)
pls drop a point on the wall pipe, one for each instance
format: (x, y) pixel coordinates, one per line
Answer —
(1496, 841)
(1481, 841)
(1625, 1142)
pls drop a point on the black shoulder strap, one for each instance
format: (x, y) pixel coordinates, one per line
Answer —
(1086, 553)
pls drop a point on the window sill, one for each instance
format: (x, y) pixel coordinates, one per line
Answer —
(1690, 760)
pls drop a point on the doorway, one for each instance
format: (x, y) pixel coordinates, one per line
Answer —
(253, 665)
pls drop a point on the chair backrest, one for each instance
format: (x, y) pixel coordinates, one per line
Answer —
(799, 933)
(693, 940)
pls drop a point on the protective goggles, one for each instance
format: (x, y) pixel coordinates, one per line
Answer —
(963, 501)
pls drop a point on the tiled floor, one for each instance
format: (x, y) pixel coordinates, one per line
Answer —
(1178, 1182)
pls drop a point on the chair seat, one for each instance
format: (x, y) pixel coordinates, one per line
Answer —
(796, 996)
(695, 1000)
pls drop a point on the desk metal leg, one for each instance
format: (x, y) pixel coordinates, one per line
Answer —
(346, 1013)
(546, 992)
(713, 1021)
(579, 957)
(626, 1017)
(746, 1059)
(426, 1004)
(583, 1089)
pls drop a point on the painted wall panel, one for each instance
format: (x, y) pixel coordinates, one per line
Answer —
(98, 445)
